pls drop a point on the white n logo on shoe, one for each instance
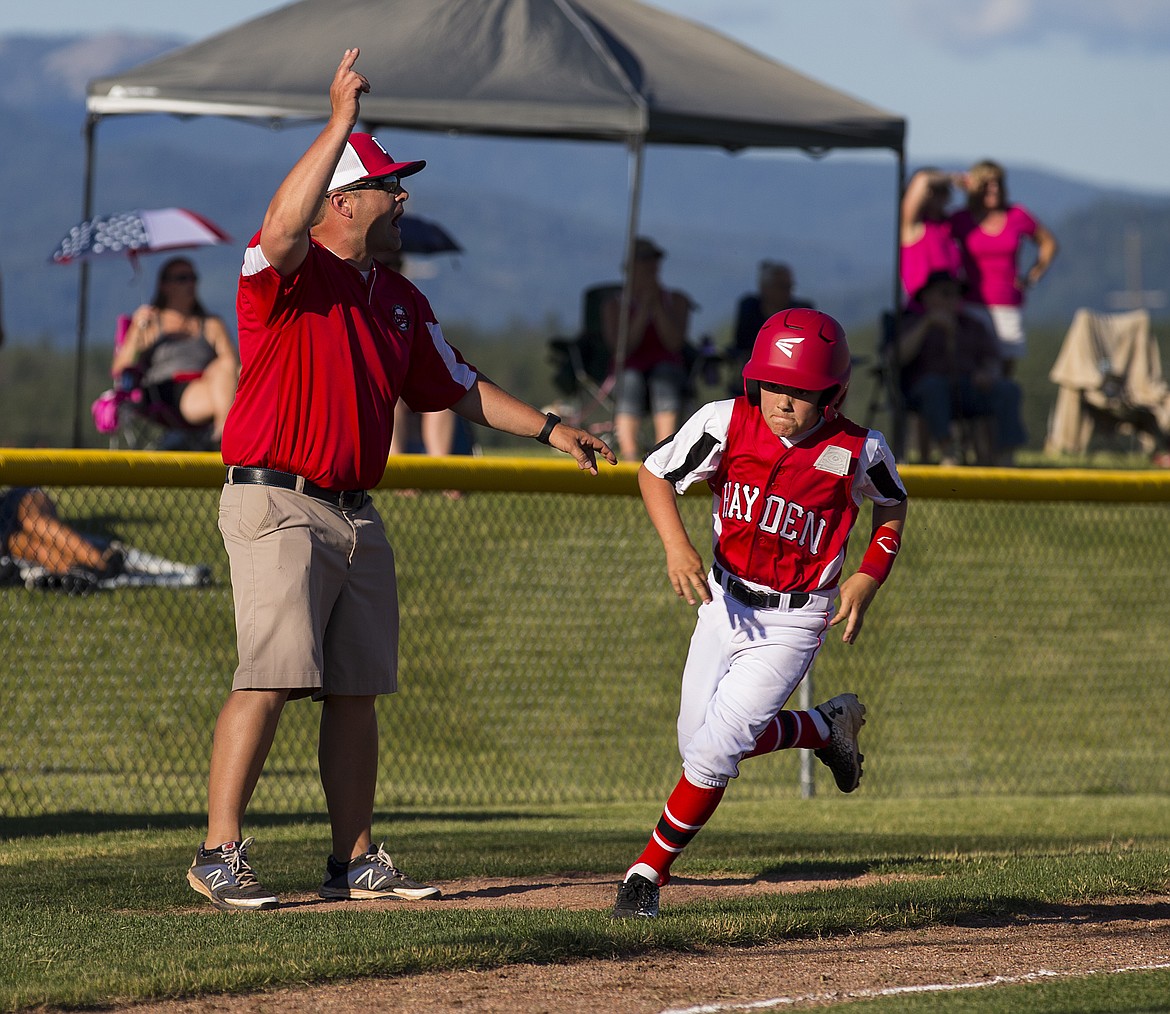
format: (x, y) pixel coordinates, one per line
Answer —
(367, 879)
(217, 877)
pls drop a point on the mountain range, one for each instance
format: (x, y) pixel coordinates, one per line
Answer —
(538, 220)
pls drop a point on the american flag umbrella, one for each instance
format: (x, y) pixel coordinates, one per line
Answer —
(135, 232)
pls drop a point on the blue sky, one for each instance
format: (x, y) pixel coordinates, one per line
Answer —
(1074, 86)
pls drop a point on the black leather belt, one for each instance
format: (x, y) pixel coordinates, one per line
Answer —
(755, 598)
(347, 499)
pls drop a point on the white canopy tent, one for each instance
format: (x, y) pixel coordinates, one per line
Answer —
(606, 70)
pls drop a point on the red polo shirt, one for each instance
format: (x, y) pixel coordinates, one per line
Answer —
(324, 356)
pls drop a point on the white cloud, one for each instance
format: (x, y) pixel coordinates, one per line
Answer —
(977, 26)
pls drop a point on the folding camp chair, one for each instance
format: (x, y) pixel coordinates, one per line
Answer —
(581, 367)
(886, 394)
(134, 420)
(1109, 372)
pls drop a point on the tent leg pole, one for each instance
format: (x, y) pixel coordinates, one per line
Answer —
(79, 355)
(900, 182)
(83, 287)
(888, 351)
(637, 149)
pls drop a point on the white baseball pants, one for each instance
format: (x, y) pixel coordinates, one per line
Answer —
(742, 667)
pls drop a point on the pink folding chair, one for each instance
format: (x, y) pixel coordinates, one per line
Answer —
(134, 420)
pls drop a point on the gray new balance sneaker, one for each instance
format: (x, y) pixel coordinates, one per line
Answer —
(373, 875)
(225, 878)
(636, 898)
(845, 716)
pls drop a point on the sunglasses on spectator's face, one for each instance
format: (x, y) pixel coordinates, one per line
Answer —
(390, 184)
(187, 277)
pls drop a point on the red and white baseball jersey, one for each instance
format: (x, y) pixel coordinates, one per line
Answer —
(782, 509)
(325, 353)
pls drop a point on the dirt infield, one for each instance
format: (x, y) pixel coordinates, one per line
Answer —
(1060, 940)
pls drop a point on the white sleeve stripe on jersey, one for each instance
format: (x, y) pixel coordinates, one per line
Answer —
(254, 261)
(461, 373)
(693, 453)
(699, 451)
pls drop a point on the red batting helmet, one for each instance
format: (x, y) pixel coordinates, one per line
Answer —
(800, 348)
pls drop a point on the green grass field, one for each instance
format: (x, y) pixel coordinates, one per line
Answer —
(97, 912)
(1013, 667)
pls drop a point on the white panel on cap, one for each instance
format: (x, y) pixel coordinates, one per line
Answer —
(349, 169)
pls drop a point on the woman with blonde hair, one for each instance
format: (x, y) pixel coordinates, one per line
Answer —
(990, 232)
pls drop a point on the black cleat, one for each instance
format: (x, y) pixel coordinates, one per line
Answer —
(845, 715)
(636, 898)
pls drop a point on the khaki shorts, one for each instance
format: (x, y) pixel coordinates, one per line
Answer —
(315, 594)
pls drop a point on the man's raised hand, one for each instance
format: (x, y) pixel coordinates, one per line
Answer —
(346, 91)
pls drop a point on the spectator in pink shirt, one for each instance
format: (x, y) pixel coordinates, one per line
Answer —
(990, 232)
(925, 231)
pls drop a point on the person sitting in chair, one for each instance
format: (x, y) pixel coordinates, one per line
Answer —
(655, 367)
(775, 291)
(182, 356)
(951, 371)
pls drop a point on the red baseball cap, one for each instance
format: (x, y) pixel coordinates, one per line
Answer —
(365, 159)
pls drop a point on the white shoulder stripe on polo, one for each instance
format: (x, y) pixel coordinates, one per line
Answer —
(254, 261)
(461, 373)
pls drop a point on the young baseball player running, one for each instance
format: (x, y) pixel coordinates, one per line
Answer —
(788, 474)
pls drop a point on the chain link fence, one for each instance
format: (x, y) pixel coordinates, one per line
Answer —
(1019, 647)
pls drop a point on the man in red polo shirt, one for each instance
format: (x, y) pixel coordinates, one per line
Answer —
(329, 341)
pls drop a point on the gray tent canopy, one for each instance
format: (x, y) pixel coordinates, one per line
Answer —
(608, 69)
(611, 70)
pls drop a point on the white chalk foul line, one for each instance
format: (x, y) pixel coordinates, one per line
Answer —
(941, 987)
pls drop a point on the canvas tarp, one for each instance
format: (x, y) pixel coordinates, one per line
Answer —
(543, 68)
(1109, 366)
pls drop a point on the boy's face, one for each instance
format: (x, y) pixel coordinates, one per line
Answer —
(789, 411)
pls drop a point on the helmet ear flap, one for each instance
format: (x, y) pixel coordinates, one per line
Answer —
(752, 389)
(827, 398)
(831, 401)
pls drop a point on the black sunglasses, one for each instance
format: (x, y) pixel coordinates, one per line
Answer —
(391, 184)
(188, 277)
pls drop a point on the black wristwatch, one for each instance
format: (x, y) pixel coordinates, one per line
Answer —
(550, 421)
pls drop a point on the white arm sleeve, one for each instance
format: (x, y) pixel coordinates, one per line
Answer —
(694, 452)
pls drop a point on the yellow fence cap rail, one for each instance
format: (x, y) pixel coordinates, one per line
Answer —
(49, 467)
